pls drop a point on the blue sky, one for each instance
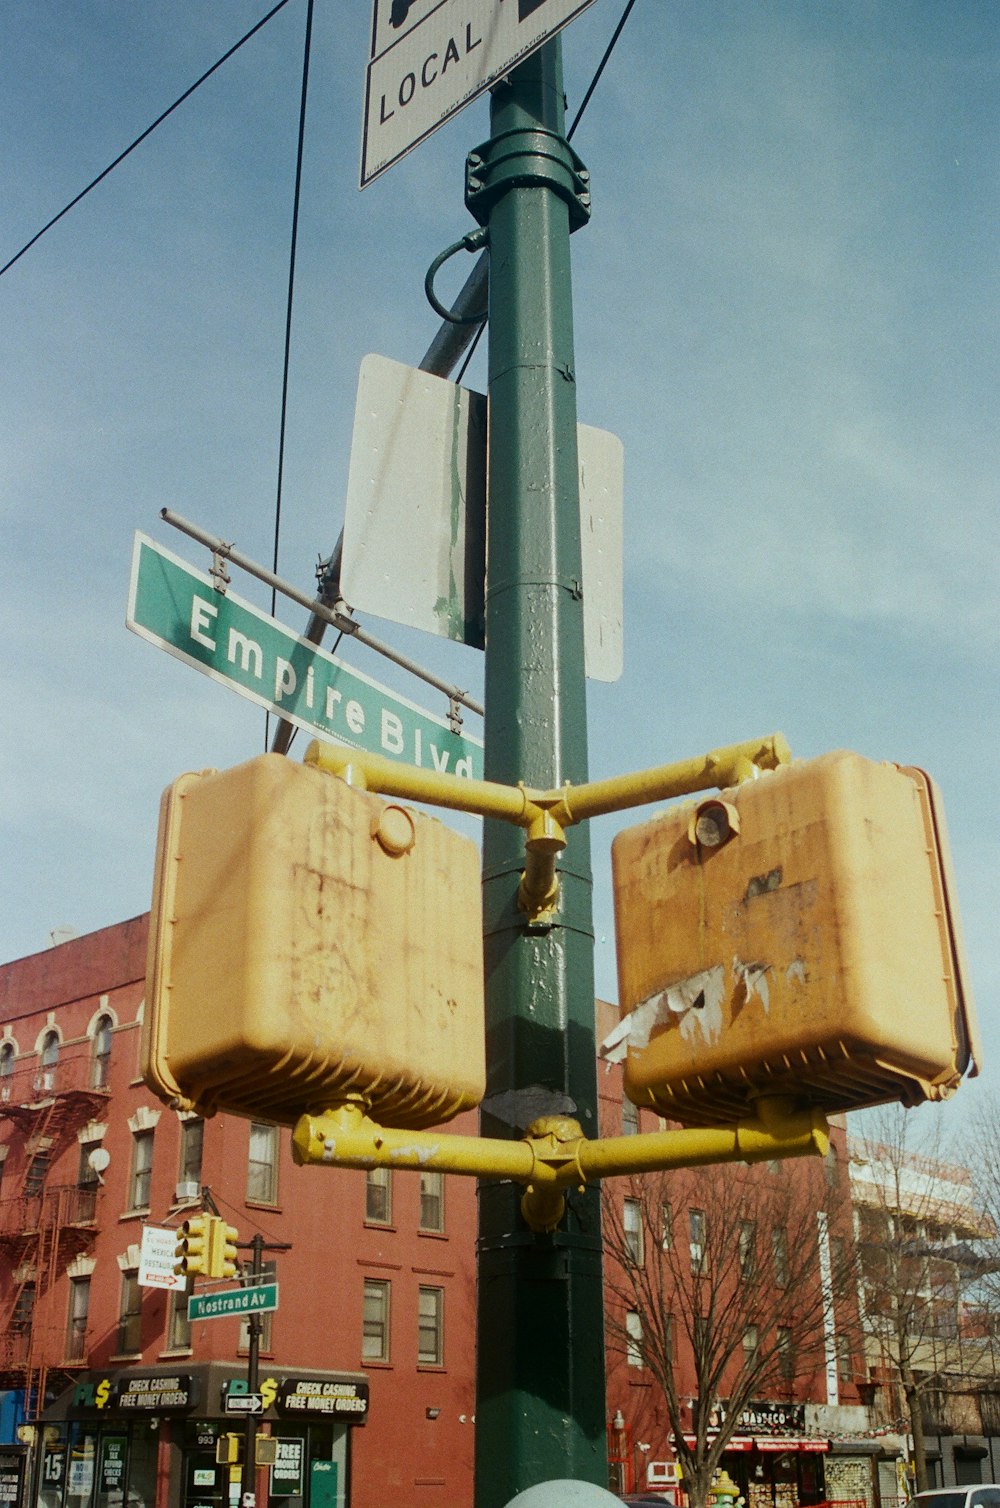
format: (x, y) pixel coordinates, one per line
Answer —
(786, 307)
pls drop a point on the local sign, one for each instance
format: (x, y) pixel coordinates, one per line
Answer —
(429, 58)
(244, 1403)
(179, 609)
(230, 1301)
(157, 1256)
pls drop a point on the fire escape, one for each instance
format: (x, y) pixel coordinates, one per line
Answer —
(43, 1225)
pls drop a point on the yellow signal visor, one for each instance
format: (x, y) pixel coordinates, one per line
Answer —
(798, 936)
(309, 940)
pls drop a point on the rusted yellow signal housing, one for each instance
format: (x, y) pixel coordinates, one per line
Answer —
(310, 941)
(796, 935)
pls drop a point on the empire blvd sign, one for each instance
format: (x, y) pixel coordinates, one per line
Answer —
(178, 608)
(239, 1301)
(429, 58)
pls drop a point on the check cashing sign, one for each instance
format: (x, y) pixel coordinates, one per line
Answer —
(179, 609)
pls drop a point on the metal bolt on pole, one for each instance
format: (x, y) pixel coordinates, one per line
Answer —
(540, 1386)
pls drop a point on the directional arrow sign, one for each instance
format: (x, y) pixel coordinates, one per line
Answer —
(431, 57)
(244, 1403)
(178, 608)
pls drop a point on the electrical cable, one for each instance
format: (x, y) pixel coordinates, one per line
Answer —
(600, 68)
(307, 49)
(139, 139)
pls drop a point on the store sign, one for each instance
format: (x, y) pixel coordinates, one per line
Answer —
(156, 1395)
(301, 1395)
(287, 1471)
(772, 1418)
(12, 1466)
(111, 1474)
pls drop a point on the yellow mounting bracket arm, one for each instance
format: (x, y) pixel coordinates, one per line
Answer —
(545, 815)
(554, 1155)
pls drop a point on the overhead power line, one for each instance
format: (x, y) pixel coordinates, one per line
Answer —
(140, 139)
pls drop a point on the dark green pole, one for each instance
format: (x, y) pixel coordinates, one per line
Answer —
(540, 1410)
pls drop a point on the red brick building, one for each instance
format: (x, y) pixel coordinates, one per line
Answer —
(367, 1365)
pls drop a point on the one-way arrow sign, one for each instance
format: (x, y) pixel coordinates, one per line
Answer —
(244, 1403)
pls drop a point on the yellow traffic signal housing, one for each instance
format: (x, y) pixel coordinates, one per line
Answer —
(796, 936)
(309, 940)
(223, 1256)
(227, 1450)
(265, 1450)
(193, 1249)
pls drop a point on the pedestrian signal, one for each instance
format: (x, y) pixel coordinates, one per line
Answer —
(310, 940)
(797, 936)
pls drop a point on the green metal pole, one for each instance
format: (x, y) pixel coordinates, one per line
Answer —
(540, 1410)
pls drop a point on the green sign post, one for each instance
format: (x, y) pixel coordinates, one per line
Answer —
(180, 610)
(257, 1300)
(540, 1411)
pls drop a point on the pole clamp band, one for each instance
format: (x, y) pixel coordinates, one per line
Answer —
(523, 158)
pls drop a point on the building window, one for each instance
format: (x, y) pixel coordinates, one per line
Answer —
(100, 1062)
(748, 1248)
(50, 1060)
(37, 1172)
(130, 1316)
(378, 1196)
(189, 1167)
(142, 1169)
(630, 1117)
(430, 1335)
(632, 1230)
(666, 1227)
(779, 1252)
(375, 1321)
(845, 1361)
(786, 1354)
(87, 1183)
(262, 1168)
(696, 1225)
(668, 1337)
(178, 1324)
(633, 1338)
(751, 1341)
(24, 1308)
(432, 1201)
(830, 1166)
(270, 1273)
(76, 1327)
(7, 1056)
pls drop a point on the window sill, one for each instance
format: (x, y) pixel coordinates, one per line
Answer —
(177, 1351)
(368, 1363)
(385, 1225)
(126, 1356)
(136, 1214)
(431, 1366)
(433, 1235)
(262, 1204)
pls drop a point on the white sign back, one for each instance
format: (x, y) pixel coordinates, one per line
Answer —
(429, 58)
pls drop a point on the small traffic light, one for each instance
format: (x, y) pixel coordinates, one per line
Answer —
(265, 1450)
(222, 1258)
(194, 1246)
(227, 1450)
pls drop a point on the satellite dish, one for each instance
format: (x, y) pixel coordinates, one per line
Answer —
(99, 1159)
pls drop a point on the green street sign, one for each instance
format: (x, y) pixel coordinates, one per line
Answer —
(179, 609)
(220, 1305)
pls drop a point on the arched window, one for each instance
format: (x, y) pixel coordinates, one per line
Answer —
(50, 1059)
(7, 1055)
(100, 1063)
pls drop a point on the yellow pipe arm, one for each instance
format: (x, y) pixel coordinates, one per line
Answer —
(545, 815)
(554, 1154)
(547, 811)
